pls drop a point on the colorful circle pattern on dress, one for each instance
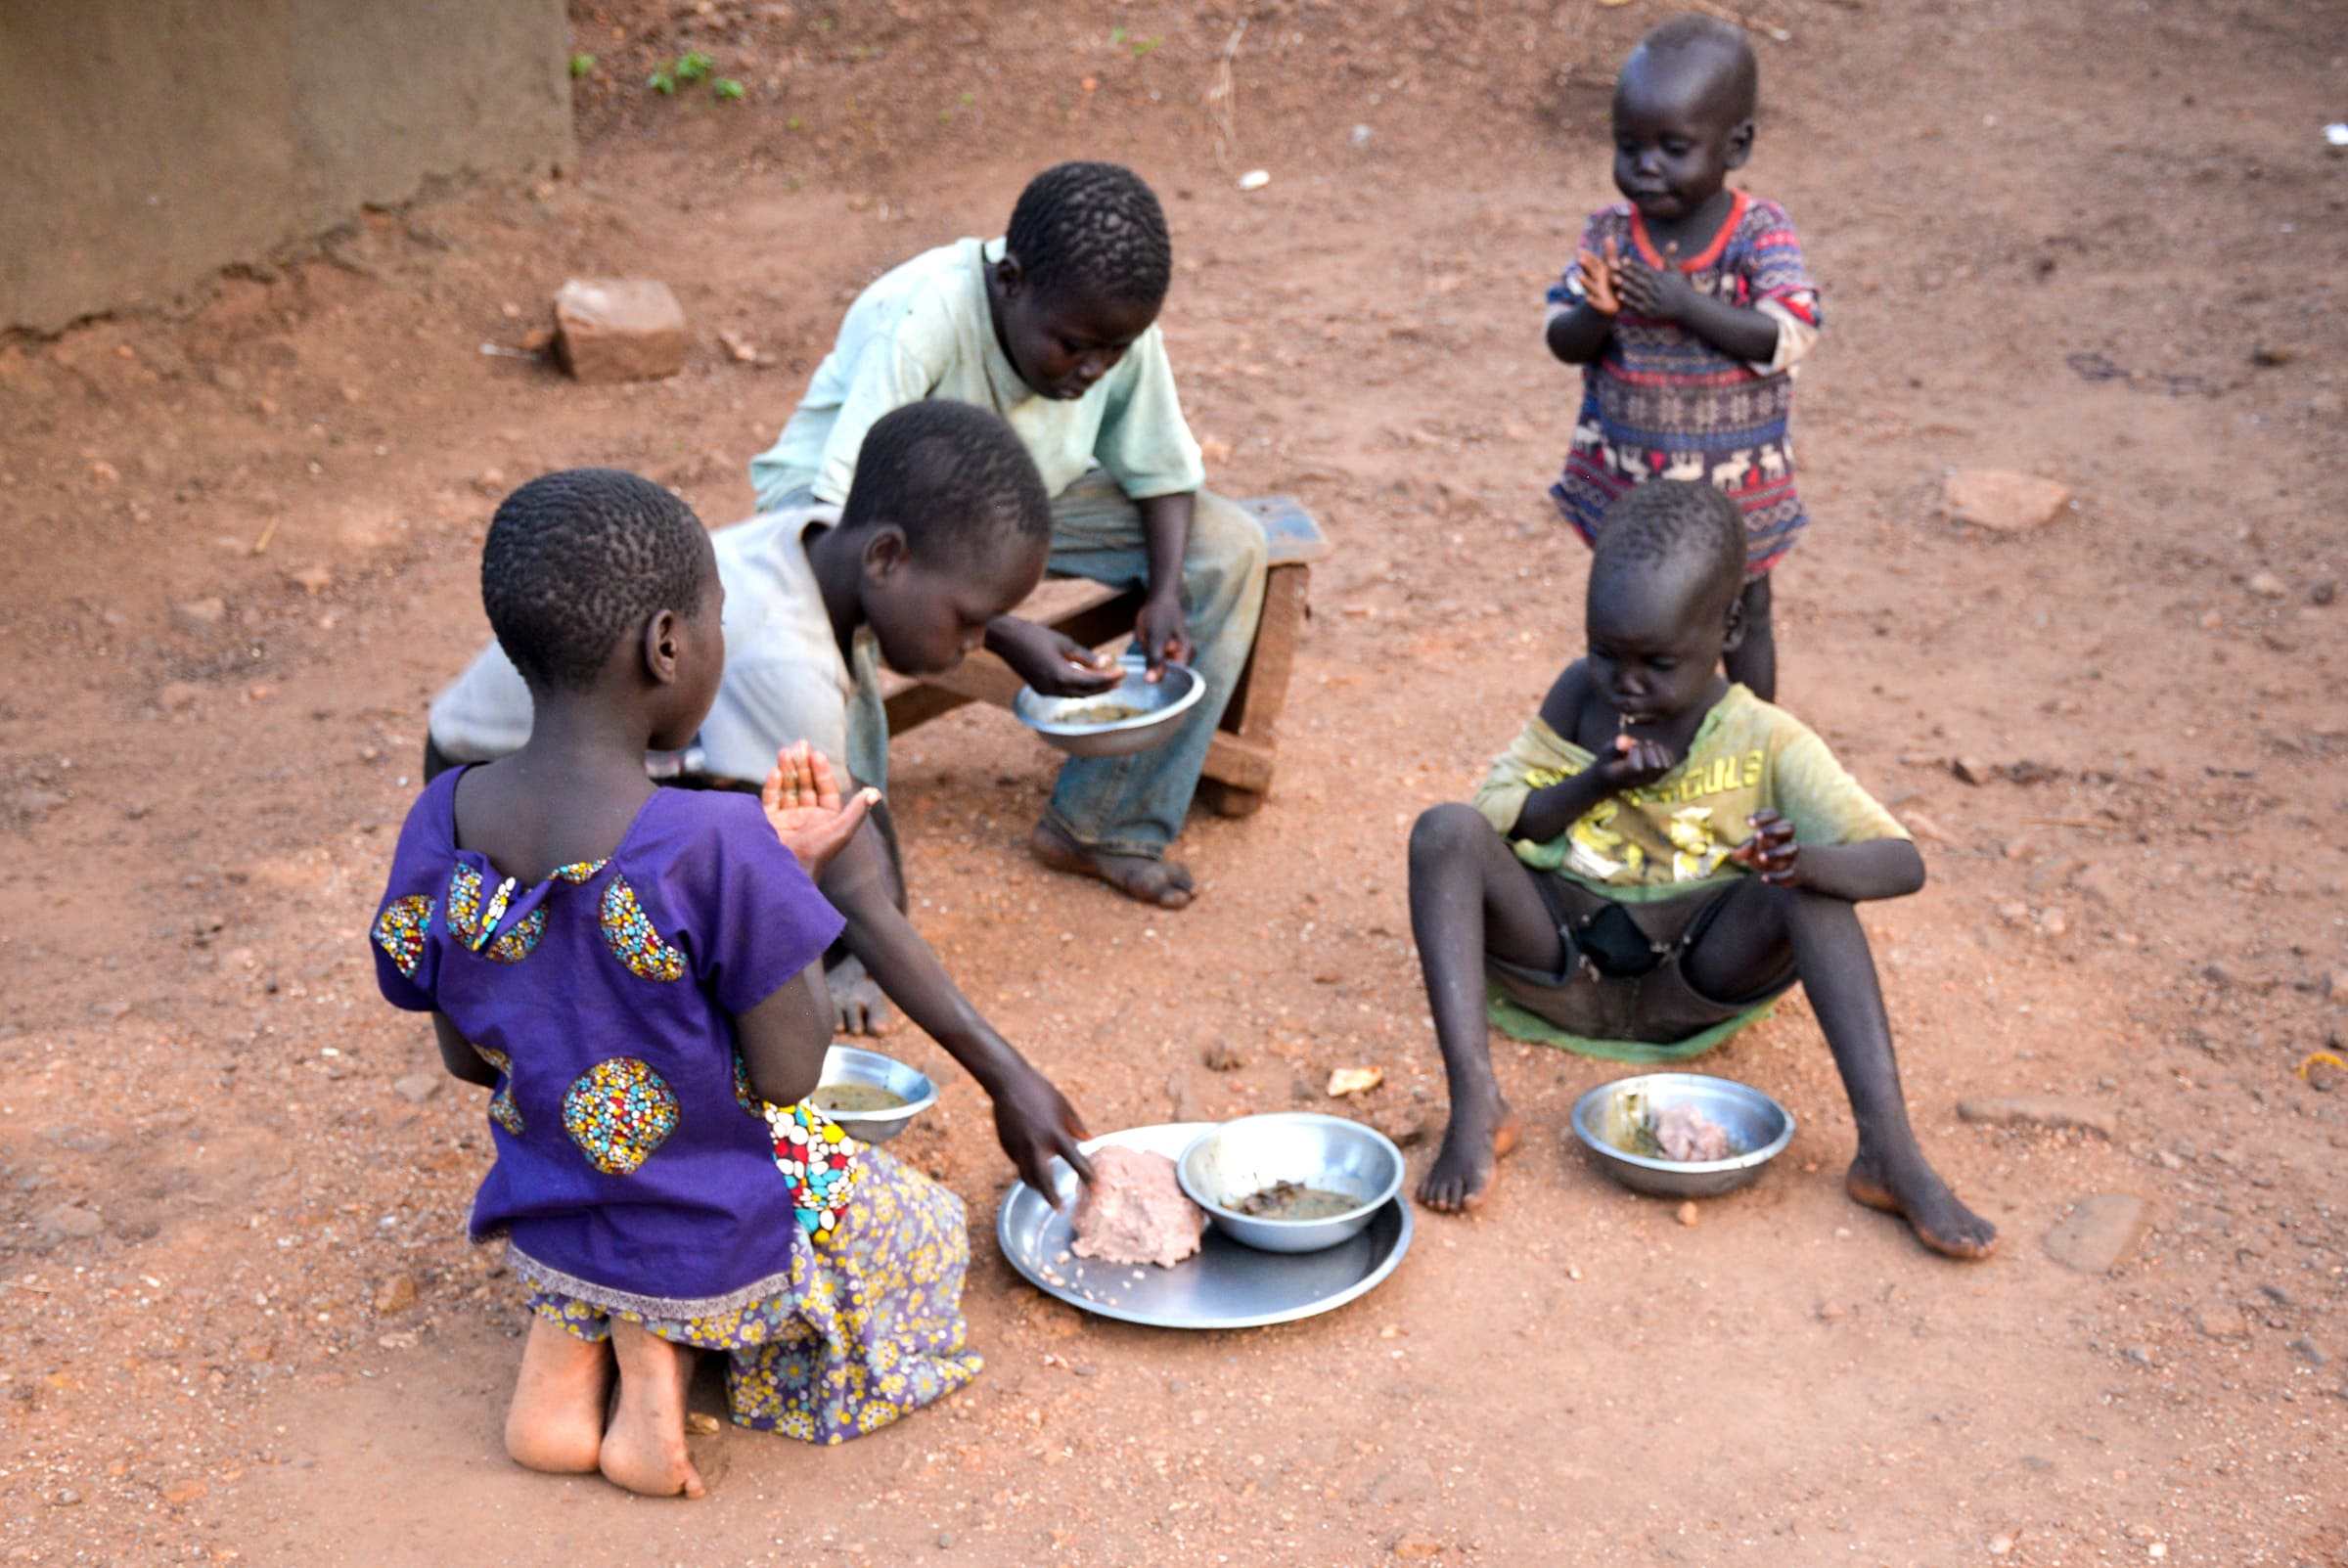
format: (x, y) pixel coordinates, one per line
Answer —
(628, 932)
(744, 1095)
(502, 1110)
(521, 939)
(401, 929)
(580, 871)
(619, 1111)
(465, 904)
(819, 1162)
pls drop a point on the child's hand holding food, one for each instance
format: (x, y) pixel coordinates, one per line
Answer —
(1633, 762)
(1772, 851)
(1598, 278)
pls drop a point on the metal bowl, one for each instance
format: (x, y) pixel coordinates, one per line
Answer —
(1756, 1123)
(1063, 723)
(1229, 1162)
(853, 1064)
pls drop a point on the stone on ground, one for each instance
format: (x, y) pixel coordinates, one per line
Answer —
(2004, 502)
(620, 330)
(2098, 1233)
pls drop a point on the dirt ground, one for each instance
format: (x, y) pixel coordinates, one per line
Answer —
(240, 548)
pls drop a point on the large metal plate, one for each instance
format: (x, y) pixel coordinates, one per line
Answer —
(1223, 1285)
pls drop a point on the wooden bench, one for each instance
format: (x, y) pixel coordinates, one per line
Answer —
(1239, 760)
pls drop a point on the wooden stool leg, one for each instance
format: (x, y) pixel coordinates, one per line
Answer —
(1238, 777)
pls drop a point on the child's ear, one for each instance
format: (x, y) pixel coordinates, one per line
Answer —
(1733, 638)
(886, 554)
(1009, 277)
(661, 647)
(1740, 145)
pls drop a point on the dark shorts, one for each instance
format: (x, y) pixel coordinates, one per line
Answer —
(1595, 992)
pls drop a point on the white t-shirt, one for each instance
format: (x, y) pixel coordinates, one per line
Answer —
(786, 680)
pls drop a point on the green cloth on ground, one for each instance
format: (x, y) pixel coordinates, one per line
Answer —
(1519, 1023)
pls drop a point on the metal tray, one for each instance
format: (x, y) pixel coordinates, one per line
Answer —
(1223, 1285)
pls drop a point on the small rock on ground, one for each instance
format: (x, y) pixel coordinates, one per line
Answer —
(72, 1219)
(620, 330)
(2100, 1233)
(417, 1086)
(2004, 502)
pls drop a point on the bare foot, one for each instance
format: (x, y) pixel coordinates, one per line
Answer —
(858, 1002)
(556, 1421)
(1164, 882)
(644, 1449)
(1473, 1145)
(1918, 1195)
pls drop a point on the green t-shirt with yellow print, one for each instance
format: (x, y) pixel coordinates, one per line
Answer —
(1674, 836)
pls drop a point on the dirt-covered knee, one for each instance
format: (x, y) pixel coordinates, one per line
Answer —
(1445, 831)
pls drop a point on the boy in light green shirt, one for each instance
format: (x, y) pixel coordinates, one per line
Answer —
(1054, 327)
(1658, 854)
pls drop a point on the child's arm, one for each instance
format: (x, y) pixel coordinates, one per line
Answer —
(1033, 1121)
(1577, 333)
(463, 1063)
(783, 1038)
(1161, 628)
(1876, 868)
(1665, 294)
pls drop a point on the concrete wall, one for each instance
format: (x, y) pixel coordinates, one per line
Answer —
(146, 143)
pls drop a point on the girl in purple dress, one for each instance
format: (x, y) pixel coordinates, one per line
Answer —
(636, 975)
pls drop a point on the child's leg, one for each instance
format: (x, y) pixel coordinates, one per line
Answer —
(1470, 895)
(556, 1421)
(644, 1449)
(1755, 661)
(1744, 945)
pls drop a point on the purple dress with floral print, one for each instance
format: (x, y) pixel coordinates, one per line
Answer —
(637, 1176)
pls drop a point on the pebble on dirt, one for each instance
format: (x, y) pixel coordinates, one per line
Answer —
(199, 616)
(2004, 502)
(396, 1293)
(620, 330)
(2100, 1233)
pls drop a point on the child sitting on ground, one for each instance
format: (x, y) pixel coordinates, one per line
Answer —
(1689, 307)
(634, 973)
(1605, 880)
(1054, 327)
(945, 528)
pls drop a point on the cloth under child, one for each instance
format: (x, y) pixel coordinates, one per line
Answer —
(636, 1174)
(1635, 883)
(1660, 402)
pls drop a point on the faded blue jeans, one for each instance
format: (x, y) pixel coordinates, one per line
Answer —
(1132, 805)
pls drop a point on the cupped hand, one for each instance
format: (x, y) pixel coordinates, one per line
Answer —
(1033, 1122)
(1633, 762)
(1659, 294)
(1772, 851)
(802, 804)
(1162, 632)
(1055, 664)
(1598, 278)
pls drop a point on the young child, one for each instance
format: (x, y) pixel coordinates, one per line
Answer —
(1054, 327)
(634, 973)
(1605, 880)
(945, 528)
(1687, 307)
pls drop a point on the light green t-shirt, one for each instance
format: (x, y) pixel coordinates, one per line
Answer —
(925, 330)
(1675, 835)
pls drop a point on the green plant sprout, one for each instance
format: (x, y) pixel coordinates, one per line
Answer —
(726, 90)
(581, 65)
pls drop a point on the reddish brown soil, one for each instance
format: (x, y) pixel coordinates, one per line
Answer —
(243, 1322)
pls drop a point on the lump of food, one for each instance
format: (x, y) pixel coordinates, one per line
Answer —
(1683, 1132)
(1133, 1211)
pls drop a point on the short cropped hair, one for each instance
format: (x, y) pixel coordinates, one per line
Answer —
(956, 478)
(1092, 231)
(1709, 44)
(1674, 525)
(577, 561)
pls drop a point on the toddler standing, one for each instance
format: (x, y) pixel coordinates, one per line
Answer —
(1687, 307)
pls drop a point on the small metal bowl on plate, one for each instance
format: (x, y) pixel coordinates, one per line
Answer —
(1074, 723)
(1758, 1127)
(1232, 1162)
(853, 1064)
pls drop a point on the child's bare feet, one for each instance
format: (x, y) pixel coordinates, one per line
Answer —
(1915, 1191)
(556, 1421)
(644, 1449)
(1164, 882)
(1473, 1145)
